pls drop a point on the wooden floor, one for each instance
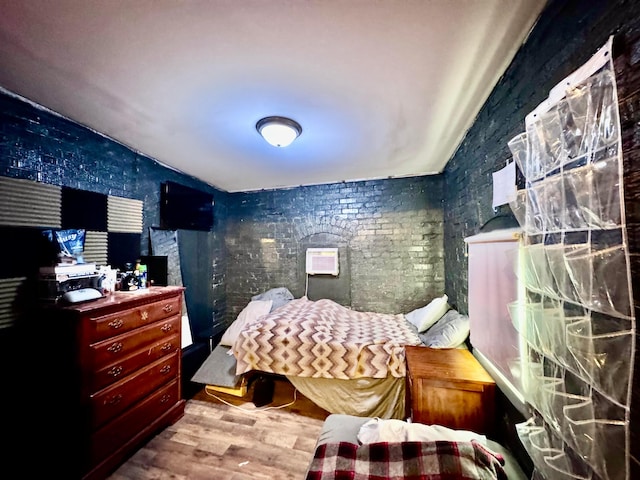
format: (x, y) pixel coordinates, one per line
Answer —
(232, 441)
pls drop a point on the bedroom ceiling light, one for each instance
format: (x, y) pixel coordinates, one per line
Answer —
(278, 131)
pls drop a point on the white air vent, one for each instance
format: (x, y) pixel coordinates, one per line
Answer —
(322, 261)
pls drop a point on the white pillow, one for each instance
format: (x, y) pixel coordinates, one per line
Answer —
(423, 318)
(253, 311)
(449, 332)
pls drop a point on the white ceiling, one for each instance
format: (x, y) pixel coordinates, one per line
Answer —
(381, 88)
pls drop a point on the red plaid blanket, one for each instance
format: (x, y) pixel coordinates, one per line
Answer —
(405, 461)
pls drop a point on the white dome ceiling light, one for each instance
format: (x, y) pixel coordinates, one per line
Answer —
(279, 131)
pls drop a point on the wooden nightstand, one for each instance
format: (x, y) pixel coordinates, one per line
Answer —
(449, 387)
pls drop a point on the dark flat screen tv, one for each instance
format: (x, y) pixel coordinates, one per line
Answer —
(185, 208)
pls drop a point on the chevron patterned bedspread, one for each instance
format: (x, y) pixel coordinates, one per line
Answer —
(323, 339)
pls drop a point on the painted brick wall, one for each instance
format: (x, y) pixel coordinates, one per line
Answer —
(38, 145)
(394, 229)
(567, 34)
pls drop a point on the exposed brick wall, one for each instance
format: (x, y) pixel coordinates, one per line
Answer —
(38, 145)
(393, 227)
(566, 36)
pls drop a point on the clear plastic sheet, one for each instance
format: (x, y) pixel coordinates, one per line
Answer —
(601, 346)
(547, 451)
(518, 148)
(534, 219)
(556, 255)
(551, 327)
(551, 126)
(536, 152)
(538, 275)
(519, 207)
(597, 434)
(552, 204)
(596, 277)
(577, 313)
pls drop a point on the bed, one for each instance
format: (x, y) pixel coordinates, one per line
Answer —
(345, 361)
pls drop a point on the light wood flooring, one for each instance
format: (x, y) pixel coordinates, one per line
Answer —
(234, 441)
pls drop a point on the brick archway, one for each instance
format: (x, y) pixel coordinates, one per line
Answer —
(332, 225)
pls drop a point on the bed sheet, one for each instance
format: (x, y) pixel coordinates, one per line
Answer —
(361, 397)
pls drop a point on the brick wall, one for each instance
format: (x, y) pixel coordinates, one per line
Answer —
(38, 145)
(567, 34)
(393, 228)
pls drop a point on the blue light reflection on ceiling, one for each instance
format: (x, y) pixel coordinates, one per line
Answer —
(226, 120)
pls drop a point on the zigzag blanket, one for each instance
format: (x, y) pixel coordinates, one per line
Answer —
(322, 339)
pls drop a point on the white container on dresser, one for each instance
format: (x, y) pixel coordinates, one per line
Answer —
(118, 360)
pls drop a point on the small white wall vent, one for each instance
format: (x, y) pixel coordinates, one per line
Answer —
(322, 261)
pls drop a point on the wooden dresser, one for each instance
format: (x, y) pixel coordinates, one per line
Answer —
(119, 369)
(449, 387)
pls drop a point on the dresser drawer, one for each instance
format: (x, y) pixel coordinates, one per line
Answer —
(105, 326)
(122, 429)
(125, 366)
(117, 348)
(113, 400)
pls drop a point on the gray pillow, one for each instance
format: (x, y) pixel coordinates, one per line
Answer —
(339, 427)
(280, 296)
(449, 332)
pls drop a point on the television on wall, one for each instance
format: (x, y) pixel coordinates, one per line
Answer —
(185, 208)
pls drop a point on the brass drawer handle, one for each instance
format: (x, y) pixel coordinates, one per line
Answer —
(115, 348)
(165, 398)
(115, 371)
(113, 400)
(116, 324)
(165, 369)
(166, 328)
(166, 346)
(168, 308)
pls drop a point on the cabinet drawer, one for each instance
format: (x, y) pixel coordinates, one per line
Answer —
(125, 366)
(113, 400)
(106, 326)
(453, 407)
(116, 348)
(122, 429)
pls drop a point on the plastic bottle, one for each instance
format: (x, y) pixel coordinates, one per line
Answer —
(143, 276)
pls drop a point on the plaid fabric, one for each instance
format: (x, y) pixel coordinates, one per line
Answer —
(323, 339)
(405, 461)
